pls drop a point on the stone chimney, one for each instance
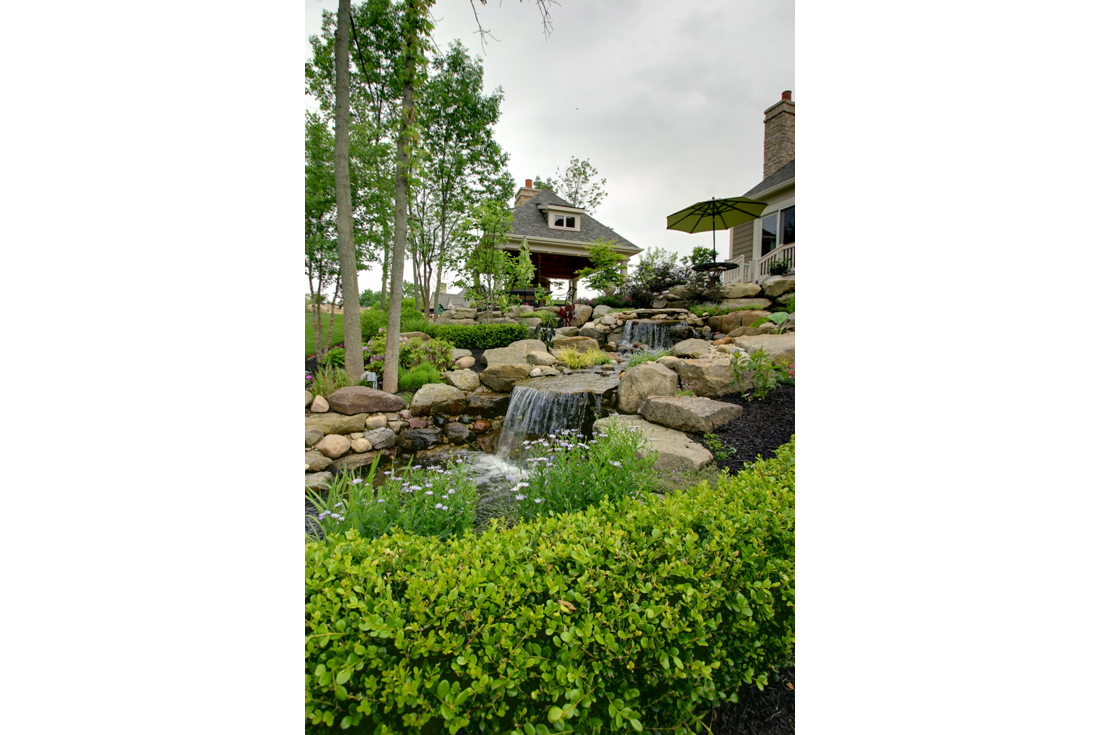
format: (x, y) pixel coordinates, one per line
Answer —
(524, 194)
(778, 135)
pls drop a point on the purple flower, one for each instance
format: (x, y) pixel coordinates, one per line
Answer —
(439, 506)
(445, 507)
(428, 492)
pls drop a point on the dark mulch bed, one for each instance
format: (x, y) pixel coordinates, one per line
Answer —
(763, 427)
(767, 712)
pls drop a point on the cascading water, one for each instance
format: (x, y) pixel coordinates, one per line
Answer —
(542, 406)
(655, 334)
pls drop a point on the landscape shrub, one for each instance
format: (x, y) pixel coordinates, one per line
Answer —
(576, 360)
(758, 367)
(640, 615)
(411, 352)
(414, 378)
(436, 501)
(477, 336)
(372, 321)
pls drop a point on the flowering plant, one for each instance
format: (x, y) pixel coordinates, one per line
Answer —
(426, 501)
(566, 472)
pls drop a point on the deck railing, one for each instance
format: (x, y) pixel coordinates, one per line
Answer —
(785, 252)
(741, 274)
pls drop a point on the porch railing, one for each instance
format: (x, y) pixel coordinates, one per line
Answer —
(741, 274)
(785, 252)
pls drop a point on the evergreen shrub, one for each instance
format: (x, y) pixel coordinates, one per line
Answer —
(627, 616)
(477, 336)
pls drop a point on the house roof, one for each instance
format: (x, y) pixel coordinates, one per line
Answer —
(784, 174)
(529, 221)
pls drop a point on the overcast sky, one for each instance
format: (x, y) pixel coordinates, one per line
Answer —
(666, 101)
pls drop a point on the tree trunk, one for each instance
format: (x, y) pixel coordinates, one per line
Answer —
(385, 273)
(332, 318)
(401, 197)
(345, 234)
(315, 313)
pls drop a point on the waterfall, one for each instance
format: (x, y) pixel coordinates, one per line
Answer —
(654, 334)
(533, 412)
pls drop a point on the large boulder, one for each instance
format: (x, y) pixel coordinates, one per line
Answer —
(333, 446)
(417, 439)
(500, 378)
(778, 346)
(315, 461)
(594, 333)
(488, 405)
(335, 423)
(580, 344)
(318, 481)
(463, 322)
(746, 303)
(584, 312)
(692, 414)
(350, 462)
(513, 354)
(777, 285)
(678, 292)
(675, 449)
(465, 380)
(734, 319)
(458, 313)
(457, 354)
(438, 398)
(456, 432)
(360, 399)
(601, 311)
(567, 331)
(691, 348)
(643, 381)
(739, 290)
(706, 377)
(381, 438)
(540, 358)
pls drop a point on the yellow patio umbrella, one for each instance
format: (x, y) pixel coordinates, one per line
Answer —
(715, 214)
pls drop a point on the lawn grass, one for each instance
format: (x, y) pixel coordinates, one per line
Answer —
(337, 330)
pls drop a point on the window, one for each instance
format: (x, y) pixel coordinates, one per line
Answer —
(563, 220)
(776, 229)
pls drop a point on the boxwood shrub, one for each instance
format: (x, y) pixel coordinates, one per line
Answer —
(478, 336)
(634, 616)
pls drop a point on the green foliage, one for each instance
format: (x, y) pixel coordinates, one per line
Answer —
(327, 380)
(714, 444)
(368, 298)
(413, 379)
(605, 273)
(643, 356)
(684, 392)
(373, 320)
(757, 371)
(789, 306)
(576, 360)
(333, 358)
(548, 317)
(641, 615)
(779, 268)
(412, 351)
(437, 501)
(567, 473)
(578, 185)
(478, 336)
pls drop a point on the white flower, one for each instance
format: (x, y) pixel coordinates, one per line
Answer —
(357, 480)
(521, 497)
(428, 492)
(538, 500)
(439, 506)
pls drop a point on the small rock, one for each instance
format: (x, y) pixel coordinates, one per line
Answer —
(360, 445)
(456, 432)
(313, 436)
(309, 398)
(381, 438)
(464, 363)
(418, 423)
(315, 461)
(355, 435)
(319, 405)
(377, 421)
(691, 348)
(480, 426)
(318, 481)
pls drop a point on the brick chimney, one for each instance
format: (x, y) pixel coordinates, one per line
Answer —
(778, 135)
(524, 194)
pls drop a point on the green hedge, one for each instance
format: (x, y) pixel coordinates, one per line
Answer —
(478, 336)
(630, 616)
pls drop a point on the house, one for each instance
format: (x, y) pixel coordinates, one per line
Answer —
(557, 235)
(758, 244)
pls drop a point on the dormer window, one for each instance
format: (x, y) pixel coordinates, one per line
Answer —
(560, 217)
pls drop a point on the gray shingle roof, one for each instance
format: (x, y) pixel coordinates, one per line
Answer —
(528, 221)
(785, 173)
